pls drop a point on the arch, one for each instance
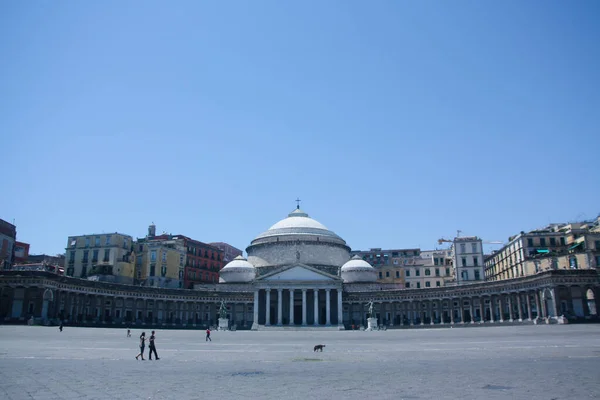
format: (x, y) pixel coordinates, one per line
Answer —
(48, 295)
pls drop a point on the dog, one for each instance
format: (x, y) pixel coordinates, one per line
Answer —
(319, 347)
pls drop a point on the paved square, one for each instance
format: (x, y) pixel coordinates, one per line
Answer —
(526, 362)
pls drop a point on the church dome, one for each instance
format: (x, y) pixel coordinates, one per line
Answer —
(239, 270)
(358, 270)
(298, 223)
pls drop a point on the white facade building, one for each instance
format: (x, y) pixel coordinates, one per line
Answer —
(467, 257)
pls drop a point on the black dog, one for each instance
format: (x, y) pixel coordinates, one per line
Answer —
(319, 347)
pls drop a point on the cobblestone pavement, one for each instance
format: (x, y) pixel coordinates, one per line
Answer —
(525, 362)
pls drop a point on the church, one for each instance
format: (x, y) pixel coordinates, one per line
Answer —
(297, 275)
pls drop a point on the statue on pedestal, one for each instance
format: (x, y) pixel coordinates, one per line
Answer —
(223, 320)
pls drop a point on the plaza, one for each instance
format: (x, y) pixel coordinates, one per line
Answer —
(519, 362)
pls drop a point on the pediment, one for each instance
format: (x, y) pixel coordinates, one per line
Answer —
(298, 272)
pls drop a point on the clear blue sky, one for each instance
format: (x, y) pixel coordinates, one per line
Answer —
(396, 122)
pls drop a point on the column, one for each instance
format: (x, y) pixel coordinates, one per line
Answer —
(392, 313)
(410, 313)
(420, 308)
(491, 308)
(482, 309)
(451, 302)
(537, 304)
(279, 306)
(255, 310)
(441, 305)
(510, 309)
(520, 307)
(268, 307)
(291, 306)
(327, 307)
(430, 312)
(462, 310)
(501, 308)
(316, 316)
(303, 307)
(553, 291)
(472, 310)
(528, 300)
(340, 309)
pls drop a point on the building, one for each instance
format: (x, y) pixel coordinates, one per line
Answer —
(8, 236)
(106, 256)
(298, 274)
(21, 252)
(229, 252)
(393, 266)
(530, 252)
(201, 262)
(160, 261)
(57, 260)
(467, 259)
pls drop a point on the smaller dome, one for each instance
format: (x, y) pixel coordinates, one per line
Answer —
(358, 270)
(237, 271)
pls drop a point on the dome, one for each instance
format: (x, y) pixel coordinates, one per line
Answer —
(237, 271)
(299, 223)
(358, 270)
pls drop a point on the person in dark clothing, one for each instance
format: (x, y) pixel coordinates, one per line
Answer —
(128, 332)
(152, 348)
(208, 335)
(60, 327)
(142, 345)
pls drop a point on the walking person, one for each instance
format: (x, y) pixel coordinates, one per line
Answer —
(152, 348)
(142, 346)
(128, 332)
(60, 327)
(208, 335)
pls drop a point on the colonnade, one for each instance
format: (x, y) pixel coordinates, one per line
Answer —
(290, 306)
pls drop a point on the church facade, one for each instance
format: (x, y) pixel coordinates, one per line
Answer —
(298, 275)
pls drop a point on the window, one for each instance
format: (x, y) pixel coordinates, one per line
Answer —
(417, 272)
(398, 273)
(152, 269)
(463, 248)
(107, 240)
(573, 262)
(542, 242)
(72, 256)
(95, 256)
(447, 271)
(97, 241)
(465, 275)
(437, 272)
(408, 285)
(73, 242)
(407, 273)
(380, 275)
(562, 241)
(552, 241)
(435, 261)
(164, 256)
(477, 275)
(427, 284)
(85, 256)
(125, 243)
(597, 261)
(87, 242)
(464, 261)
(418, 285)
(476, 261)
(437, 283)
(181, 260)
(427, 271)
(395, 262)
(106, 255)
(387, 274)
(84, 272)
(153, 255)
(530, 242)
(597, 245)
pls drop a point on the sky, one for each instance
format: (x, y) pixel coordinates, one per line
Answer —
(395, 122)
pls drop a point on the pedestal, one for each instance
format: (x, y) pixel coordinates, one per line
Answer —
(223, 324)
(371, 324)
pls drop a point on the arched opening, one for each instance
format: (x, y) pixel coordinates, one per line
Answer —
(548, 303)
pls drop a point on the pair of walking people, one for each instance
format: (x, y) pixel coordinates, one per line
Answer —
(151, 346)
